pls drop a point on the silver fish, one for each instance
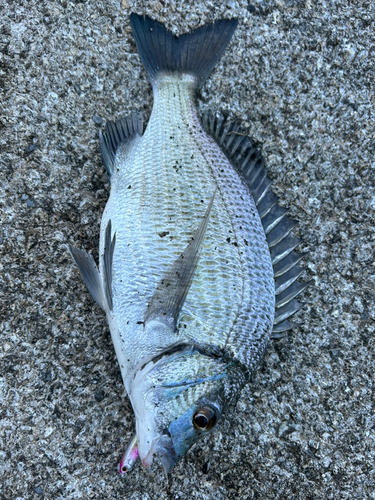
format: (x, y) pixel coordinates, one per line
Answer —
(191, 243)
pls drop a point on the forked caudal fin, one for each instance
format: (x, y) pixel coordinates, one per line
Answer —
(194, 53)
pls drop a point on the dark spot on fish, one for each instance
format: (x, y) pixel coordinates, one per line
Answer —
(228, 240)
(235, 243)
(172, 137)
(201, 201)
(192, 156)
(164, 233)
(129, 187)
(140, 323)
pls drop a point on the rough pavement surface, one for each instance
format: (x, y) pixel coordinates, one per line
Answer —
(299, 76)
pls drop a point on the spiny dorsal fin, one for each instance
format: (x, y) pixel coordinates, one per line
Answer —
(247, 160)
(171, 292)
(115, 135)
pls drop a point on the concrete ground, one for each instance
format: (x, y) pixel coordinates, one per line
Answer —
(299, 75)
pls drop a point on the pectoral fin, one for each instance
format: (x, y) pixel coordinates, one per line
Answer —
(109, 247)
(171, 292)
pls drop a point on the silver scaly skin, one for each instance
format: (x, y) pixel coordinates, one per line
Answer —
(160, 190)
(185, 273)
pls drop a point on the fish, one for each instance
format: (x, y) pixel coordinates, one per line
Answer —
(197, 264)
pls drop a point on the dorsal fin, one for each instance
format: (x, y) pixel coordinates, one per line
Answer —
(171, 292)
(116, 134)
(248, 162)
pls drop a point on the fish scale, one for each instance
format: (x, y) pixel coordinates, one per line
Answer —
(190, 240)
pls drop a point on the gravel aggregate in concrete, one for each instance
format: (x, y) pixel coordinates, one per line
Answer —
(299, 76)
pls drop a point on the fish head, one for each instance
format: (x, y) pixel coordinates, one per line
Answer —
(178, 397)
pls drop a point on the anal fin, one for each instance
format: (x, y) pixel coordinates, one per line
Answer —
(115, 135)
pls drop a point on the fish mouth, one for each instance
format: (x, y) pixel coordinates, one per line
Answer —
(162, 446)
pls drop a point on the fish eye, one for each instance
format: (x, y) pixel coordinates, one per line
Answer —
(205, 418)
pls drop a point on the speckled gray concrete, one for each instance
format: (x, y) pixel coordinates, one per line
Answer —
(299, 76)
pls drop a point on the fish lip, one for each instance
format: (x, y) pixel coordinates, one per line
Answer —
(147, 461)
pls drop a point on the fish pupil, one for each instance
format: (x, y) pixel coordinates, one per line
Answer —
(201, 421)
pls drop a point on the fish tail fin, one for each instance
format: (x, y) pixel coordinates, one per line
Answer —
(194, 53)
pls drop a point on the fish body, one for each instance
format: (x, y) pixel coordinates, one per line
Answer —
(160, 190)
(185, 274)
